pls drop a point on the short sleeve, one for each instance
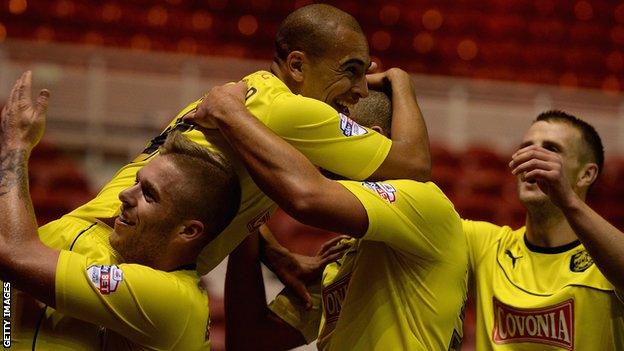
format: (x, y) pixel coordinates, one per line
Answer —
(412, 217)
(329, 139)
(146, 306)
(290, 309)
(479, 237)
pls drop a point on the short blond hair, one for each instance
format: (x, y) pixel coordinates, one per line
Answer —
(211, 192)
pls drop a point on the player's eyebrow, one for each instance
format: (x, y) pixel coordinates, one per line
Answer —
(356, 61)
(153, 192)
(151, 189)
(551, 144)
(525, 144)
(545, 144)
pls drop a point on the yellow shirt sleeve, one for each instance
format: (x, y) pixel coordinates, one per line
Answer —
(412, 217)
(479, 236)
(330, 140)
(292, 311)
(158, 309)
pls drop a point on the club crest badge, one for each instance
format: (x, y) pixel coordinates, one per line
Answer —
(105, 278)
(580, 261)
(349, 127)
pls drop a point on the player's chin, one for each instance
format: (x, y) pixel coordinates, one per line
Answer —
(533, 196)
(530, 192)
(117, 236)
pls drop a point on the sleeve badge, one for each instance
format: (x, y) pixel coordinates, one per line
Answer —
(106, 279)
(349, 127)
(384, 190)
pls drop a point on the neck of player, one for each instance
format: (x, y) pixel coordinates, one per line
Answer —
(546, 226)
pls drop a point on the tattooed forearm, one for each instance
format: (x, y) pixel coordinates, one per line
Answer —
(13, 172)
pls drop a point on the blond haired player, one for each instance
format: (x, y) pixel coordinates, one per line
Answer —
(319, 70)
(539, 287)
(400, 286)
(133, 287)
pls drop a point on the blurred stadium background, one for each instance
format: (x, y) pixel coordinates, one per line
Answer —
(120, 70)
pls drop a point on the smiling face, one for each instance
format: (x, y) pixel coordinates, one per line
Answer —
(338, 77)
(559, 137)
(149, 219)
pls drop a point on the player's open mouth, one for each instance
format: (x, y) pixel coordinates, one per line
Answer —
(343, 107)
(124, 221)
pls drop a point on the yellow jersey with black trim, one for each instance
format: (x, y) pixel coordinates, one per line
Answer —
(103, 305)
(329, 139)
(530, 298)
(402, 286)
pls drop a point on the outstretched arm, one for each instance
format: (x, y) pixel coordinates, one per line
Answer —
(409, 156)
(604, 242)
(24, 260)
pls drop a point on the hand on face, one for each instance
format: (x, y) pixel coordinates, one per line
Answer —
(219, 103)
(537, 164)
(22, 122)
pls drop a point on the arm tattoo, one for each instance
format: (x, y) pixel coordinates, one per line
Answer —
(13, 172)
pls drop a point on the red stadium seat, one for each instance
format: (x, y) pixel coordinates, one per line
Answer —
(481, 157)
(542, 33)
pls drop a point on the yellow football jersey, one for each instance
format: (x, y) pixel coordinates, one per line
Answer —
(402, 286)
(532, 298)
(102, 305)
(329, 139)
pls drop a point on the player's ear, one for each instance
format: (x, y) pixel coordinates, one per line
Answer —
(191, 230)
(587, 175)
(294, 65)
(380, 130)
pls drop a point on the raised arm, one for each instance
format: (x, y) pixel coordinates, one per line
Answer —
(409, 156)
(603, 241)
(283, 173)
(24, 260)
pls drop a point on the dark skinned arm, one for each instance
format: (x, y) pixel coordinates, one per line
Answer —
(409, 156)
(24, 260)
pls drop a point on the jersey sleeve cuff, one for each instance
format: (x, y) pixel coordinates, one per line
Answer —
(62, 267)
(377, 160)
(360, 193)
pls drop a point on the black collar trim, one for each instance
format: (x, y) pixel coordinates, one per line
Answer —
(551, 250)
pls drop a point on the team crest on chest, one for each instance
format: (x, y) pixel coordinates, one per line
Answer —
(550, 325)
(349, 127)
(580, 261)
